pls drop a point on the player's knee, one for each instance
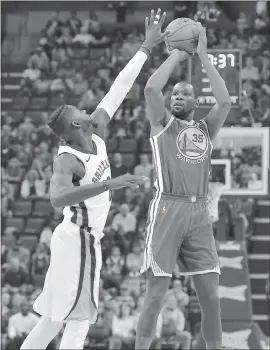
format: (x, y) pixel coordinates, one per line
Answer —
(211, 302)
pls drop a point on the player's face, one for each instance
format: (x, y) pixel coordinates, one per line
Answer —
(84, 119)
(183, 100)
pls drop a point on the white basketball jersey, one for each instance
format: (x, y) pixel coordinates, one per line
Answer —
(92, 212)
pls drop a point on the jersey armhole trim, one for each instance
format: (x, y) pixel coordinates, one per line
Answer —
(206, 127)
(85, 169)
(164, 129)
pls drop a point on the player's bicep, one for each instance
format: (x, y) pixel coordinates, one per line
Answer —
(63, 171)
(101, 120)
(155, 106)
(216, 118)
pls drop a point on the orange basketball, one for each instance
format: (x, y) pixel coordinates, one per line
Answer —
(183, 35)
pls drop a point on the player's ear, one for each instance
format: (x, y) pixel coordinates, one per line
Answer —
(197, 103)
(76, 124)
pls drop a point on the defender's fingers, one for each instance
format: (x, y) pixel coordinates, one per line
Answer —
(146, 22)
(152, 17)
(162, 19)
(157, 17)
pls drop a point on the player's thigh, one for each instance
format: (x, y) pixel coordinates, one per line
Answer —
(198, 251)
(206, 284)
(172, 223)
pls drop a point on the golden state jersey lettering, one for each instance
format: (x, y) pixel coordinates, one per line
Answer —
(192, 144)
(182, 156)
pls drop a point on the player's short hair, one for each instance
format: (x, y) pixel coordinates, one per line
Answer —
(186, 82)
(56, 121)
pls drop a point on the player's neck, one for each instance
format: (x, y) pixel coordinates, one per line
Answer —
(83, 143)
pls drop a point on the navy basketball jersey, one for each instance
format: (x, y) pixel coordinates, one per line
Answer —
(182, 156)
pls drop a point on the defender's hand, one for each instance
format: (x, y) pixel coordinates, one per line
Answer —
(153, 34)
(202, 44)
(126, 181)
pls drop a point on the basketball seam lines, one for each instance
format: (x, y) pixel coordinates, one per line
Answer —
(190, 24)
(173, 41)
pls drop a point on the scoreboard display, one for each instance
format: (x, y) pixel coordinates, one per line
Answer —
(228, 62)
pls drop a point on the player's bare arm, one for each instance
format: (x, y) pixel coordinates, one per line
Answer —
(155, 106)
(218, 114)
(125, 79)
(62, 191)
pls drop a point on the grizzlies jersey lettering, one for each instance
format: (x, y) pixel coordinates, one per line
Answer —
(182, 156)
(92, 212)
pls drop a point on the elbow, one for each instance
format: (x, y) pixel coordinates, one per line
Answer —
(227, 103)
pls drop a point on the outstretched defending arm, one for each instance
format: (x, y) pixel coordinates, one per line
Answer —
(64, 193)
(155, 105)
(218, 114)
(124, 81)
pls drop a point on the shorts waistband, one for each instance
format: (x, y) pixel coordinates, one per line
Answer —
(184, 198)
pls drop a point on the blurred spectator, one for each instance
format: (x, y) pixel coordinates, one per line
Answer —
(18, 251)
(14, 170)
(65, 39)
(92, 96)
(117, 167)
(250, 72)
(58, 85)
(123, 329)
(144, 168)
(6, 203)
(262, 22)
(134, 258)
(32, 73)
(130, 46)
(40, 264)
(125, 297)
(124, 220)
(15, 274)
(101, 330)
(53, 26)
(131, 198)
(177, 291)
(74, 23)
(25, 129)
(29, 184)
(42, 85)
(85, 38)
(173, 325)
(61, 54)
(114, 264)
(21, 324)
(46, 236)
(40, 58)
(78, 85)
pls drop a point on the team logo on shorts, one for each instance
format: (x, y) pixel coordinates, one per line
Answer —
(192, 144)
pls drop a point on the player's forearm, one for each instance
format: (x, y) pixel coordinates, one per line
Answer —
(76, 195)
(123, 82)
(217, 83)
(160, 77)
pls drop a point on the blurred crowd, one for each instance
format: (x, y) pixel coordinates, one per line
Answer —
(75, 62)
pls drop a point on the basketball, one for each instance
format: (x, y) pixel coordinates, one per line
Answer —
(183, 35)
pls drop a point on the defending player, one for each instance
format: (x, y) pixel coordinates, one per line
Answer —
(179, 225)
(81, 184)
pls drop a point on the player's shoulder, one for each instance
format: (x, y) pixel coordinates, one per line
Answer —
(66, 163)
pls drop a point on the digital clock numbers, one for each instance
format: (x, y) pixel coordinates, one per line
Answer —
(222, 60)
